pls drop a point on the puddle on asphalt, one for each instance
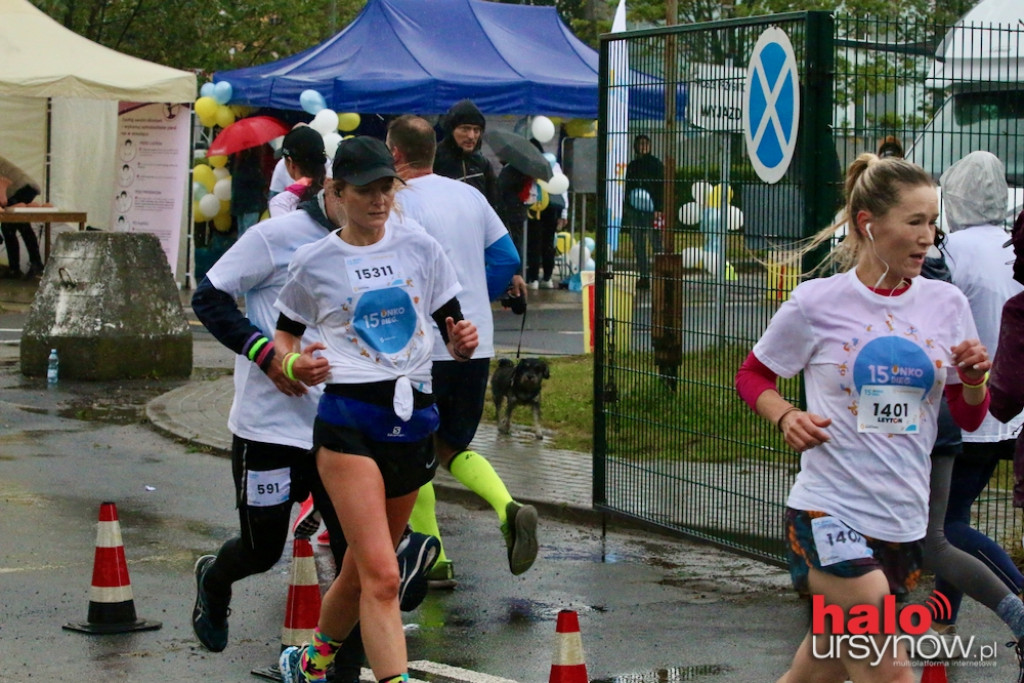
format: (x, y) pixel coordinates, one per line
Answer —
(668, 675)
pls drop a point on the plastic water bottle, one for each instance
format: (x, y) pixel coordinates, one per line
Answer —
(52, 369)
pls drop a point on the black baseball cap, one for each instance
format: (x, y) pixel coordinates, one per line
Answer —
(304, 145)
(363, 159)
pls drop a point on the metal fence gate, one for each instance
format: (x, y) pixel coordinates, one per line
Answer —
(690, 249)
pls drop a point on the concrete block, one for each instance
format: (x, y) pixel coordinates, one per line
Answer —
(109, 305)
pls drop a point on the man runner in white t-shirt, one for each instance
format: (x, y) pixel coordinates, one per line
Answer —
(476, 242)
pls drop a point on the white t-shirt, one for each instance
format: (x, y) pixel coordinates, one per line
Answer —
(982, 269)
(372, 304)
(458, 216)
(855, 345)
(256, 266)
(280, 179)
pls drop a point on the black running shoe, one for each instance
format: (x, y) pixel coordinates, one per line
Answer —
(520, 532)
(1018, 649)
(209, 623)
(416, 556)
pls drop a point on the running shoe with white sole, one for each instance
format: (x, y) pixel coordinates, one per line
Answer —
(416, 556)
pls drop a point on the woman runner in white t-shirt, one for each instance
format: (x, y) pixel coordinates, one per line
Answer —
(878, 346)
(371, 288)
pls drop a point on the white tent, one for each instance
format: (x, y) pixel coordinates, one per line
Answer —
(59, 93)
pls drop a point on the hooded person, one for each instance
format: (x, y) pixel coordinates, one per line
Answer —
(458, 154)
(974, 192)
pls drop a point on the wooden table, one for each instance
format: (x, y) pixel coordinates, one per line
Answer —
(46, 217)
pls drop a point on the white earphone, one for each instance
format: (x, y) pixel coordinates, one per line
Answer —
(867, 228)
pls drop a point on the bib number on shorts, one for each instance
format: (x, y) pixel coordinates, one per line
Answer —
(268, 488)
(837, 542)
(887, 409)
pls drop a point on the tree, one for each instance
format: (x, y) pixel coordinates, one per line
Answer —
(206, 36)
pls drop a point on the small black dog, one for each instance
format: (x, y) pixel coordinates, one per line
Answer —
(518, 384)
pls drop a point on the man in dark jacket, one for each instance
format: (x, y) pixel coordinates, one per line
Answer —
(643, 196)
(458, 154)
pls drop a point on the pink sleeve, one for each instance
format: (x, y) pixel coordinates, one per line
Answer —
(967, 417)
(753, 379)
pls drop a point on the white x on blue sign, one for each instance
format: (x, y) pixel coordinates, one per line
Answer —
(771, 105)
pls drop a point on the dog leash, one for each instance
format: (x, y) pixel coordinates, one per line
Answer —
(522, 327)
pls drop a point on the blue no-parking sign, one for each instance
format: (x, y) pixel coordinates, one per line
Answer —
(771, 105)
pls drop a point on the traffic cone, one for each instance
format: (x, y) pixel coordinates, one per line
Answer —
(111, 606)
(934, 672)
(302, 607)
(568, 665)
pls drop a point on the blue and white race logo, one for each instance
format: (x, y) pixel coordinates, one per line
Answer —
(771, 105)
(894, 361)
(385, 319)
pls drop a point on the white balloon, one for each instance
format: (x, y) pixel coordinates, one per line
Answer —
(543, 129)
(692, 258)
(700, 191)
(558, 184)
(573, 257)
(210, 205)
(222, 190)
(325, 121)
(220, 173)
(735, 219)
(689, 214)
(331, 142)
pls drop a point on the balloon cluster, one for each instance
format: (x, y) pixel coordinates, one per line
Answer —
(212, 106)
(326, 121)
(559, 182)
(707, 201)
(211, 193)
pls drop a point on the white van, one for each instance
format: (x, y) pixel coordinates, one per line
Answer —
(980, 65)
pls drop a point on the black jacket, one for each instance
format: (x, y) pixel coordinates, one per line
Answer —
(452, 161)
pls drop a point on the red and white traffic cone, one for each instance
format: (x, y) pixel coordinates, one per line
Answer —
(568, 666)
(111, 606)
(302, 611)
(302, 607)
(934, 672)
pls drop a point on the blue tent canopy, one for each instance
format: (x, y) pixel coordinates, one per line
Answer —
(411, 56)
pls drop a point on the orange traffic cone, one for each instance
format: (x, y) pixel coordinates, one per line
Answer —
(568, 665)
(934, 672)
(302, 608)
(111, 606)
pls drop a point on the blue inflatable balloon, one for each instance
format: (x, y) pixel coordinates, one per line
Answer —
(551, 158)
(312, 102)
(222, 91)
(206, 90)
(640, 199)
(588, 242)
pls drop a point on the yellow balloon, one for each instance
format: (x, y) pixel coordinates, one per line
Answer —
(225, 208)
(348, 122)
(206, 107)
(197, 214)
(557, 120)
(222, 221)
(225, 117)
(204, 174)
(240, 110)
(208, 121)
(218, 162)
(581, 128)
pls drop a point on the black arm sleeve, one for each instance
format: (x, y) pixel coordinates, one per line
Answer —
(286, 324)
(219, 312)
(451, 309)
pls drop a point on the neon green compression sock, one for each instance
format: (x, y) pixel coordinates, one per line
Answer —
(476, 474)
(423, 518)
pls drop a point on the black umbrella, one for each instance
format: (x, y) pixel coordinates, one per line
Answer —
(519, 153)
